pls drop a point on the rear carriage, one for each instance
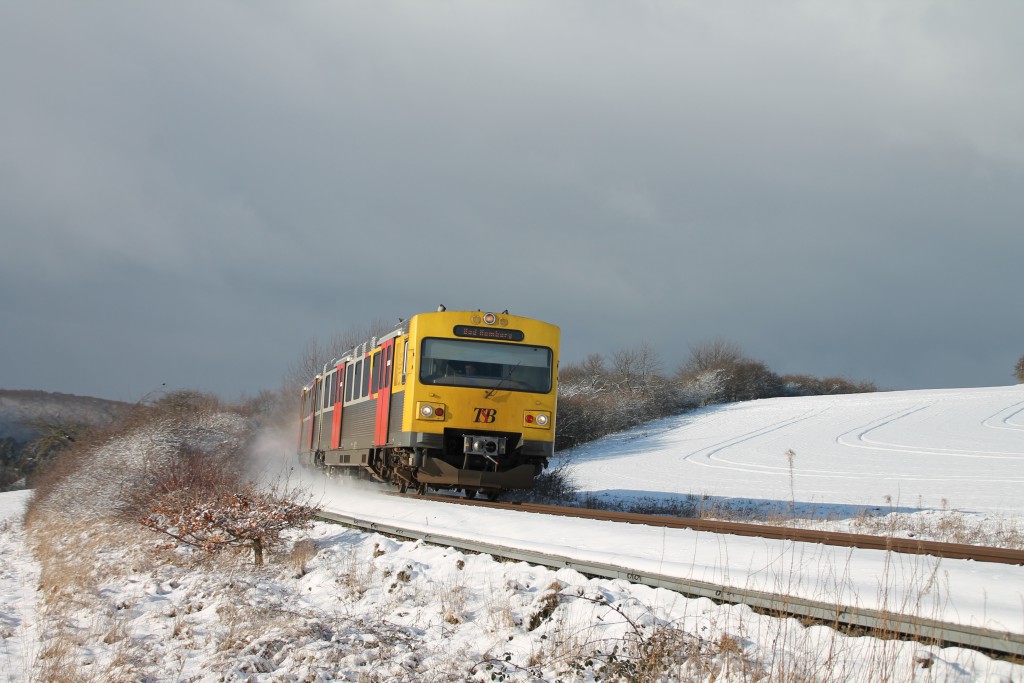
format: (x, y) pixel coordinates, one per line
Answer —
(452, 399)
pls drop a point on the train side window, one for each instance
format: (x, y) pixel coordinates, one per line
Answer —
(377, 383)
(358, 379)
(366, 378)
(348, 381)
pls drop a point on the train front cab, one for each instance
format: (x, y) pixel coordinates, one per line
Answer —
(480, 399)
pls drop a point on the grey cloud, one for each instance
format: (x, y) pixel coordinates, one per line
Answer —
(835, 186)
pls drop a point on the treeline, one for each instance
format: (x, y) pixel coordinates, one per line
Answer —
(600, 395)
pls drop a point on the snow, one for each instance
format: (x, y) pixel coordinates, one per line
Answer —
(909, 450)
(364, 607)
(19, 577)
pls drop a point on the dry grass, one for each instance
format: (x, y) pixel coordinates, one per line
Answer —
(302, 553)
(573, 631)
(950, 526)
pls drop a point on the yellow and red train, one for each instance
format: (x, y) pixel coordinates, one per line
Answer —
(448, 400)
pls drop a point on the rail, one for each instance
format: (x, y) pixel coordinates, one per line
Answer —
(953, 551)
(1002, 643)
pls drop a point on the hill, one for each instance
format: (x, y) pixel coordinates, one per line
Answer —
(23, 411)
(20, 409)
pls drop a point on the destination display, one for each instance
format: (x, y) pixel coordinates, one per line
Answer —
(488, 333)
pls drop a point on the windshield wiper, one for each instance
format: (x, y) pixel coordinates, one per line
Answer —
(497, 386)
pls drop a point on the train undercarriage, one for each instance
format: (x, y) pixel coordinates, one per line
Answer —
(419, 470)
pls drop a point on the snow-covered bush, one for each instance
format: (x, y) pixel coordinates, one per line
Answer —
(113, 472)
(215, 520)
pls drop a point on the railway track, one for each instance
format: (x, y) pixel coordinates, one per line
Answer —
(957, 551)
(874, 622)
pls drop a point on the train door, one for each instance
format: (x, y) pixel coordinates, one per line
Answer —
(314, 439)
(327, 411)
(306, 415)
(382, 371)
(339, 388)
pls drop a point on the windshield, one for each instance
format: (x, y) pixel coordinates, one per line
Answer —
(470, 363)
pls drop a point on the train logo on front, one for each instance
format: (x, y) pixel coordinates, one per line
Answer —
(486, 415)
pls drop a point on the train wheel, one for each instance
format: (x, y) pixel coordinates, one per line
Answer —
(470, 493)
(421, 489)
(493, 495)
(403, 487)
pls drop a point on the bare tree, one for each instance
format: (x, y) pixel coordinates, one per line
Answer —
(246, 518)
(716, 354)
(635, 369)
(588, 377)
(315, 354)
(1019, 369)
(751, 379)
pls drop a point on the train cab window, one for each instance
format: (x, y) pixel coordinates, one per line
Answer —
(485, 364)
(348, 381)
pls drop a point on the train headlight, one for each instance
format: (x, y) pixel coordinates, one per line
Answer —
(490, 318)
(431, 411)
(538, 419)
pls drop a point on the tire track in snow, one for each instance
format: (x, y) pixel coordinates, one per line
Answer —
(865, 442)
(1007, 421)
(714, 459)
(710, 452)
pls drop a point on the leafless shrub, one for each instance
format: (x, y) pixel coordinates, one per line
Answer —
(544, 607)
(219, 519)
(688, 506)
(808, 385)
(453, 596)
(554, 485)
(711, 355)
(316, 353)
(950, 526)
(111, 470)
(303, 551)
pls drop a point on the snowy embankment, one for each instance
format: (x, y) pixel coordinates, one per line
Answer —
(345, 605)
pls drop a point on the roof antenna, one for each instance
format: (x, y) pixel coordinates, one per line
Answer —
(505, 312)
(441, 307)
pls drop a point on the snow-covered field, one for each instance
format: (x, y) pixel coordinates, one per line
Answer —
(909, 450)
(362, 607)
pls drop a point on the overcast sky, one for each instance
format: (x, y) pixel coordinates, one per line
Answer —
(191, 191)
